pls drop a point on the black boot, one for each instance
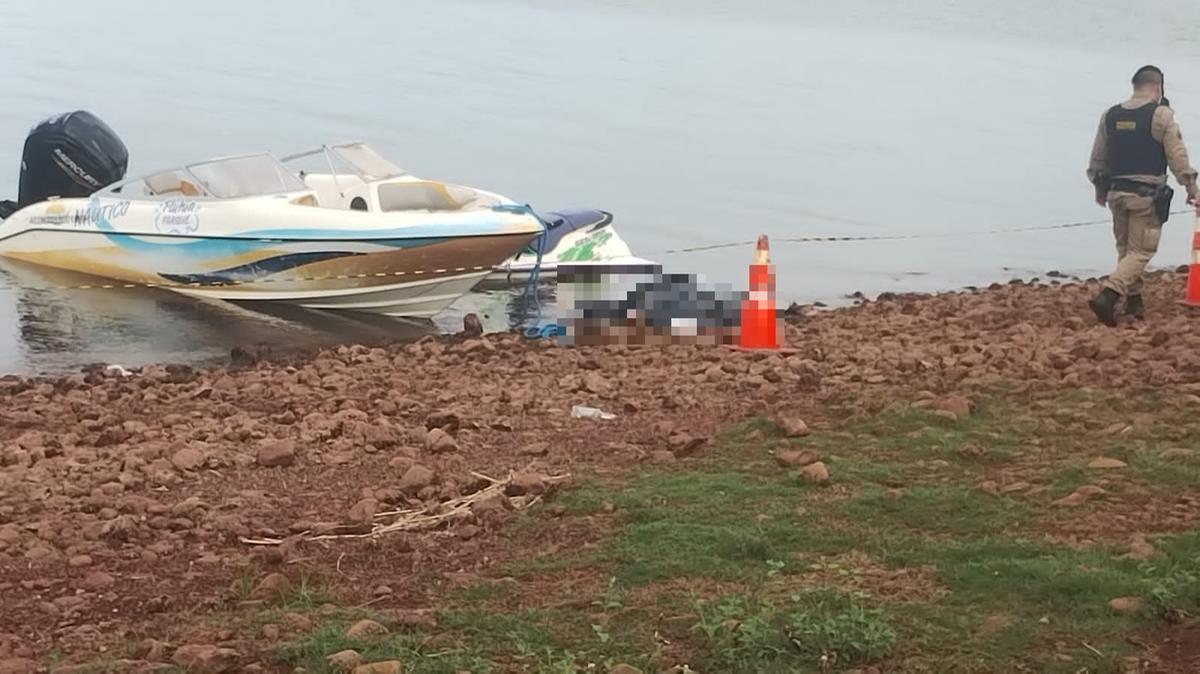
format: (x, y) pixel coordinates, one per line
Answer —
(1135, 307)
(1104, 306)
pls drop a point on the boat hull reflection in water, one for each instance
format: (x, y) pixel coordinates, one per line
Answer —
(58, 326)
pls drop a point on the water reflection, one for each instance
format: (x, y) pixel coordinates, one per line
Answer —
(58, 326)
(508, 309)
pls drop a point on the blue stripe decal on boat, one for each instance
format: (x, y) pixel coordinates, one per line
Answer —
(258, 269)
(244, 242)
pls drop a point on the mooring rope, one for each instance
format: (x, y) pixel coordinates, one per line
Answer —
(895, 237)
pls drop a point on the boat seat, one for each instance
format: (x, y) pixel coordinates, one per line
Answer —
(423, 195)
(169, 183)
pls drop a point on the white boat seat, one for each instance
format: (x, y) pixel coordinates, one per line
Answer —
(170, 183)
(424, 195)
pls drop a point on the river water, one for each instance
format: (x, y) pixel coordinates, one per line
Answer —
(695, 122)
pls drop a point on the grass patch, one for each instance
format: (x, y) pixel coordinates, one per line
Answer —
(1070, 478)
(812, 629)
(476, 641)
(720, 561)
(305, 594)
(719, 525)
(482, 592)
(1175, 579)
(1179, 472)
(419, 654)
(937, 510)
(1038, 575)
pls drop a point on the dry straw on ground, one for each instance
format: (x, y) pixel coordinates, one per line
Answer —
(427, 517)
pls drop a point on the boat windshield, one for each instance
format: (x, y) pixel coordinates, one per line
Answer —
(245, 176)
(361, 160)
(367, 162)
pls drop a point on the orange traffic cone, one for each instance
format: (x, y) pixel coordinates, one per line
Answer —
(1192, 299)
(760, 324)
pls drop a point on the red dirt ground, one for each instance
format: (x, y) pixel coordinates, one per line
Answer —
(123, 499)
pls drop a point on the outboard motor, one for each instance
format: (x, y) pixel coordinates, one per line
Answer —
(70, 155)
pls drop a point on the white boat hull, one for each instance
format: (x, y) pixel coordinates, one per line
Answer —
(414, 299)
(397, 271)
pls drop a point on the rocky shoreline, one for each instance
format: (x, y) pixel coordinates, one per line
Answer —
(126, 499)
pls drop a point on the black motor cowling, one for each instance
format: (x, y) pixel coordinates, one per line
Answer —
(70, 155)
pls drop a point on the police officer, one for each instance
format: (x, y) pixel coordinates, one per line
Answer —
(1136, 142)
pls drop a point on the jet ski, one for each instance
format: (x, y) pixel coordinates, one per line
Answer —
(579, 236)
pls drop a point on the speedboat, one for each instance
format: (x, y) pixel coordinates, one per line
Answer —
(366, 237)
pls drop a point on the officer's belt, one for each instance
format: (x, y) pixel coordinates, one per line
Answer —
(1133, 186)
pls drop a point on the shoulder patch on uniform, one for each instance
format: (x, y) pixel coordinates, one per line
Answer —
(1126, 125)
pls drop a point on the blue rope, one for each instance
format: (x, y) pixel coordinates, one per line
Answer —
(546, 331)
(538, 330)
(535, 275)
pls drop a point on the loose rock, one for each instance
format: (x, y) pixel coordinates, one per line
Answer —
(796, 458)
(415, 479)
(153, 650)
(414, 619)
(365, 628)
(1105, 462)
(492, 510)
(792, 426)
(272, 586)
(344, 661)
(527, 484)
(683, 444)
(206, 659)
(363, 512)
(440, 442)
(816, 473)
(1080, 496)
(275, 453)
(385, 667)
(536, 449)
(1140, 549)
(1126, 604)
(472, 326)
(297, 622)
(1014, 487)
(187, 459)
(956, 405)
(98, 580)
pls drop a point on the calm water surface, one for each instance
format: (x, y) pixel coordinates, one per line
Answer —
(694, 121)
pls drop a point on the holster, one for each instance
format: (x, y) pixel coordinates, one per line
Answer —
(1102, 184)
(1163, 194)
